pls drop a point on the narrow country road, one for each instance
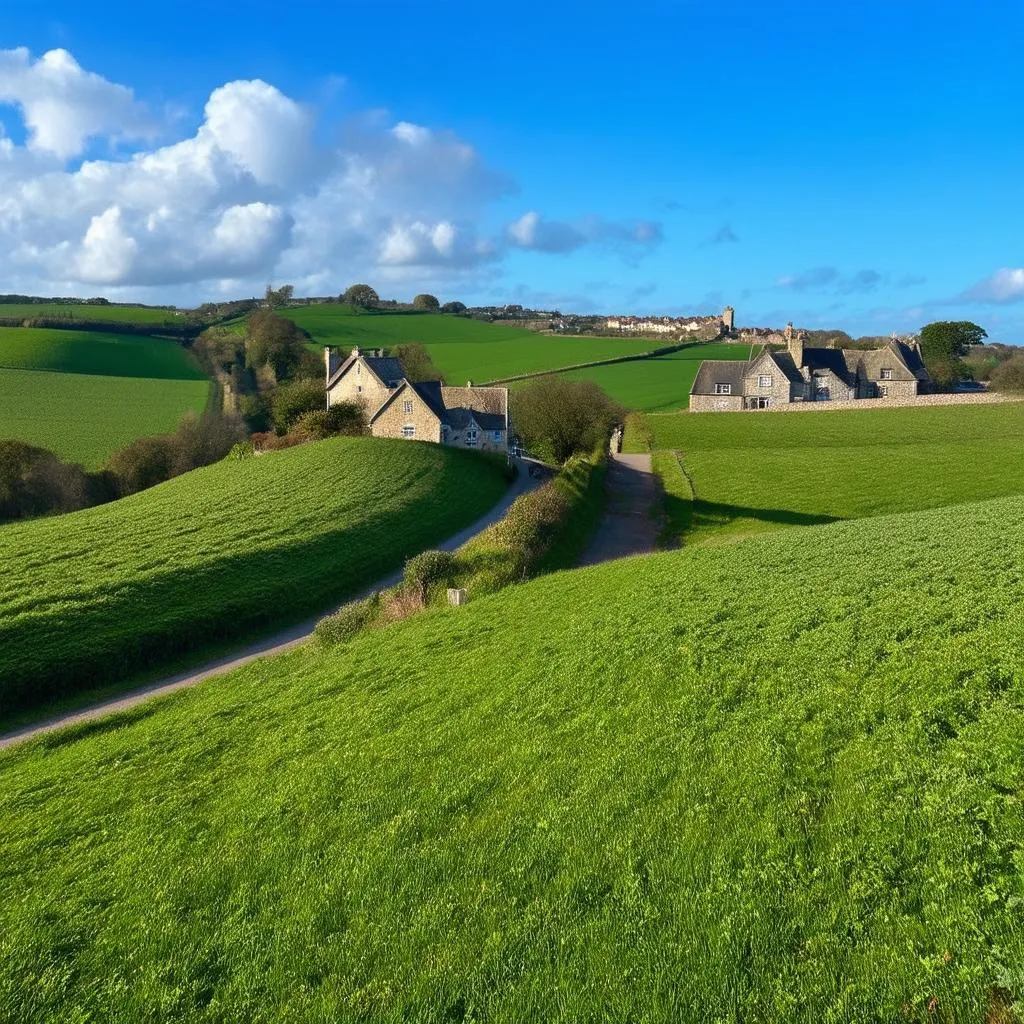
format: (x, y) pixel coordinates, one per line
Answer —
(275, 644)
(628, 526)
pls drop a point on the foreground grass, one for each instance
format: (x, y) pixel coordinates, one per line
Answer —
(744, 789)
(84, 418)
(755, 472)
(461, 349)
(90, 597)
(662, 383)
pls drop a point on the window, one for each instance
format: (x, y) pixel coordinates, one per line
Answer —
(409, 430)
(886, 373)
(723, 389)
(359, 388)
(883, 391)
(765, 380)
(497, 435)
(408, 408)
(471, 435)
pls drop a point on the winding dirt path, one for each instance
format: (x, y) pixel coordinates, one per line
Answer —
(277, 643)
(628, 526)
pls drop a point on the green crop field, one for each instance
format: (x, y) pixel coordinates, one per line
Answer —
(755, 472)
(84, 394)
(764, 782)
(114, 355)
(83, 417)
(69, 311)
(87, 597)
(461, 349)
(653, 385)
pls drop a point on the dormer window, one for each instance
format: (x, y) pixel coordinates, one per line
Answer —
(723, 389)
(886, 374)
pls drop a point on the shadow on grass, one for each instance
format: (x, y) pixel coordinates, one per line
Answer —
(686, 516)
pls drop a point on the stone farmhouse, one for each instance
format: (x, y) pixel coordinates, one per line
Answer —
(469, 417)
(803, 374)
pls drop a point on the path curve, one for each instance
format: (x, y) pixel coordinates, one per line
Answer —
(277, 643)
(628, 526)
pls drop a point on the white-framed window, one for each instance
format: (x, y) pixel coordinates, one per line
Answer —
(765, 380)
(409, 430)
(886, 373)
(408, 408)
(723, 389)
(883, 391)
(471, 435)
(497, 435)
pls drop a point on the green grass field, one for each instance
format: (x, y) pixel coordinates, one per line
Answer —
(461, 349)
(662, 383)
(765, 782)
(85, 417)
(758, 472)
(113, 355)
(68, 311)
(84, 394)
(88, 597)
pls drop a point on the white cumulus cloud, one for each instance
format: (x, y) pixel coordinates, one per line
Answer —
(1005, 285)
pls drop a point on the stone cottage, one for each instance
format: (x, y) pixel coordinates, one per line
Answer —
(804, 374)
(469, 417)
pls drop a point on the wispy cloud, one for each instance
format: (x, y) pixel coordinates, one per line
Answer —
(723, 236)
(829, 278)
(1004, 286)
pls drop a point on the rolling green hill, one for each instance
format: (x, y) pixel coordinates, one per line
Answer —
(461, 349)
(83, 311)
(661, 383)
(87, 598)
(84, 394)
(765, 782)
(751, 472)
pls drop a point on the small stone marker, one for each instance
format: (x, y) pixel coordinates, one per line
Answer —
(456, 595)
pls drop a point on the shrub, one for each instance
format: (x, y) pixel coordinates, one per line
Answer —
(346, 621)
(142, 463)
(427, 569)
(241, 451)
(1008, 376)
(347, 418)
(292, 401)
(34, 482)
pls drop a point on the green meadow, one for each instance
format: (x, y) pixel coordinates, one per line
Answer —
(84, 417)
(90, 597)
(661, 383)
(460, 348)
(83, 311)
(769, 781)
(731, 474)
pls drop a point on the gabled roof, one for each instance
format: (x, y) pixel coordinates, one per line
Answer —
(785, 364)
(833, 359)
(386, 369)
(719, 371)
(870, 363)
(488, 406)
(429, 399)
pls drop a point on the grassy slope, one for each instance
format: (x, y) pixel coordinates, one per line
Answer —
(88, 597)
(100, 390)
(113, 355)
(757, 472)
(461, 349)
(85, 417)
(127, 314)
(712, 784)
(655, 385)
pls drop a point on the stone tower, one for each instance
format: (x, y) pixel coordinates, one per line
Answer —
(729, 319)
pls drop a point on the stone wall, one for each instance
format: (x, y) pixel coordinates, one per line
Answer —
(394, 418)
(988, 398)
(716, 403)
(780, 386)
(359, 385)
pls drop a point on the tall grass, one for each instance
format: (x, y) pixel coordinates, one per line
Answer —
(768, 782)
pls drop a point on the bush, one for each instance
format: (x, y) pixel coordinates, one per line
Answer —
(1008, 376)
(347, 418)
(241, 451)
(426, 570)
(142, 464)
(34, 482)
(346, 621)
(559, 418)
(293, 400)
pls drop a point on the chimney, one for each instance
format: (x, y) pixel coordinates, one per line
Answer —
(330, 360)
(794, 344)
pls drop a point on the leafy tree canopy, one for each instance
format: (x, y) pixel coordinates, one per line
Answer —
(453, 307)
(361, 296)
(416, 361)
(944, 343)
(427, 302)
(275, 342)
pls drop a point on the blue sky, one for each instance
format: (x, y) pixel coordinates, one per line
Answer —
(849, 165)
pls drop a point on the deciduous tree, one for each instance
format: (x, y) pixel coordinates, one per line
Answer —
(943, 345)
(426, 302)
(361, 296)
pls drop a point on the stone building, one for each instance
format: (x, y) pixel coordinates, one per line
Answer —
(803, 374)
(469, 417)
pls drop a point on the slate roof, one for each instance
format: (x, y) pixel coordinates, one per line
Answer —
(386, 368)
(833, 359)
(719, 371)
(488, 406)
(789, 369)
